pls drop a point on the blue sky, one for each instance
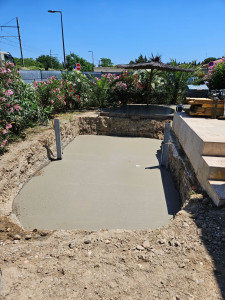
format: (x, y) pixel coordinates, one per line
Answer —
(184, 30)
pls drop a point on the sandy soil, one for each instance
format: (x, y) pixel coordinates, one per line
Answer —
(183, 260)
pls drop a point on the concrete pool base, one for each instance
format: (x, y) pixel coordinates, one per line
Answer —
(102, 183)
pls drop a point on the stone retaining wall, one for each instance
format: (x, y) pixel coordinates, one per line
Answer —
(182, 171)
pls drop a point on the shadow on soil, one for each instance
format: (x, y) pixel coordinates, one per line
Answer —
(210, 220)
(171, 194)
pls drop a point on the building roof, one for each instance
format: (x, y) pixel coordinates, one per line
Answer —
(155, 65)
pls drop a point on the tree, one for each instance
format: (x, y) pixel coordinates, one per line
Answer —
(49, 62)
(140, 59)
(106, 62)
(72, 59)
(207, 60)
(28, 62)
(175, 83)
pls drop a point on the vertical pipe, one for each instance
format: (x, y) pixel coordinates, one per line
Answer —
(58, 138)
(21, 50)
(93, 62)
(150, 87)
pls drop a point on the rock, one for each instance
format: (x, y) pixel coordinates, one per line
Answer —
(205, 201)
(176, 244)
(107, 241)
(72, 244)
(140, 248)
(183, 213)
(17, 237)
(146, 244)
(182, 265)
(87, 242)
(28, 237)
(162, 241)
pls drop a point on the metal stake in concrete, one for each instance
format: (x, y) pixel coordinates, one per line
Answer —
(165, 145)
(58, 138)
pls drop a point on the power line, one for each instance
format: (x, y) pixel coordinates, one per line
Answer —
(13, 46)
(9, 21)
(18, 29)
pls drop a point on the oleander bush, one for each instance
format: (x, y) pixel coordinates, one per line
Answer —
(18, 104)
(216, 78)
(23, 105)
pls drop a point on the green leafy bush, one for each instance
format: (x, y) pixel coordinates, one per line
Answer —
(217, 77)
(124, 89)
(18, 104)
(83, 86)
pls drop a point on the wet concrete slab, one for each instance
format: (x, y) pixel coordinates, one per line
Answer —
(102, 182)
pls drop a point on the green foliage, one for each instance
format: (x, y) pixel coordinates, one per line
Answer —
(72, 59)
(143, 59)
(19, 106)
(49, 62)
(28, 63)
(100, 91)
(106, 62)
(83, 87)
(207, 60)
(124, 89)
(175, 84)
(140, 59)
(159, 94)
(217, 77)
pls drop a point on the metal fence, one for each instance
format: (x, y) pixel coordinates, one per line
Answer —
(29, 76)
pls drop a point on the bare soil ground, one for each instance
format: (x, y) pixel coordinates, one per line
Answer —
(183, 260)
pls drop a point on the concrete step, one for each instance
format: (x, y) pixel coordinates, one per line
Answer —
(218, 187)
(199, 136)
(214, 148)
(215, 167)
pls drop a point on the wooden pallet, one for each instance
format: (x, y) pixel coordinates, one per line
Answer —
(205, 107)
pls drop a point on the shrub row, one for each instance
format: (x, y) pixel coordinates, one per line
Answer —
(23, 105)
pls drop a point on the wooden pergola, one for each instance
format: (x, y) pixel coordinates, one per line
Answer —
(154, 66)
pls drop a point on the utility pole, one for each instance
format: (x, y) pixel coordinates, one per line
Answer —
(21, 50)
(99, 62)
(18, 28)
(51, 57)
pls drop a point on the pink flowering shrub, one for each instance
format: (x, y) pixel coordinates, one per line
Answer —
(124, 89)
(18, 105)
(216, 75)
(57, 95)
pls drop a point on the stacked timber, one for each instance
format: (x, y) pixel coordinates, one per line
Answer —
(205, 107)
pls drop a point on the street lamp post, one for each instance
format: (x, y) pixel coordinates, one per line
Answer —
(64, 55)
(93, 63)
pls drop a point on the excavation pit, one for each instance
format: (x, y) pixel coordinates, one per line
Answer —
(102, 182)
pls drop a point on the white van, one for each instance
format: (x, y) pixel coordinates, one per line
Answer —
(5, 57)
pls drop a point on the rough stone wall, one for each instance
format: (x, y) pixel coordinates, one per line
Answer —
(134, 127)
(26, 158)
(182, 171)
